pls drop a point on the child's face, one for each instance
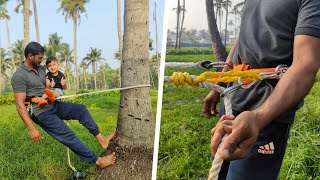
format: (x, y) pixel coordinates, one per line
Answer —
(53, 67)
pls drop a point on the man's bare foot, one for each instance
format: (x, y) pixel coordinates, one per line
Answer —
(106, 161)
(104, 141)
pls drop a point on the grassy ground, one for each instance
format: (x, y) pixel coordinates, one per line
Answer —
(22, 159)
(184, 151)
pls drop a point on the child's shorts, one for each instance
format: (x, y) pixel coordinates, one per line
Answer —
(58, 90)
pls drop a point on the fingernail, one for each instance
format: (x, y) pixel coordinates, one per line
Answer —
(226, 153)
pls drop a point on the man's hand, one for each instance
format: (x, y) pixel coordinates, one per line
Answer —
(52, 83)
(35, 135)
(210, 104)
(243, 133)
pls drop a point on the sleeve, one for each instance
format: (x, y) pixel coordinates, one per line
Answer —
(308, 22)
(48, 76)
(19, 83)
(62, 75)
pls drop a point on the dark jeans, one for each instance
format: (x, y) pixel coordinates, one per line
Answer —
(264, 159)
(52, 122)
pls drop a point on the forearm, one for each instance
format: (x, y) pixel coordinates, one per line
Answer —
(294, 85)
(25, 116)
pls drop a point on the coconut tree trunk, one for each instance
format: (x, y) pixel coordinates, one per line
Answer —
(178, 25)
(220, 52)
(182, 20)
(94, 74)
(85, 79)
(75, 24)
(35, 11)
(135, 126)
(10, 49)
(226, 31)
(119, 23)
(156, 27)
(26, 15)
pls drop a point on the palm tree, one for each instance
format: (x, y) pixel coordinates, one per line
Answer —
(220, 4)
(220, 52)
(25, 4)
(135, 126)
(183, 9)
(72, 9)
(4, 15)
(119, 23)
(93, 58)
(4, 66)
(239, 7)
(84, 67)
(34, 2)
(18, 52)
(54, 45)
(178, 24)
(227, 5)
(235, 11)
(66, 57)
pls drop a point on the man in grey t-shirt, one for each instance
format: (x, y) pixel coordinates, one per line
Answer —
(29, 82)
(272, 32)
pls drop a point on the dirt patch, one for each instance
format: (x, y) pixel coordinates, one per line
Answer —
(130, 164)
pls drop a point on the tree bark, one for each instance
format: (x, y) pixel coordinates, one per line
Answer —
(182, 20)
(94, 74)
(10, 49)
(156, 27)
(26, 15)
(178, 25)
(119, 23)
(135, 126)
(35, 11)
(75, 24)
(220, 52)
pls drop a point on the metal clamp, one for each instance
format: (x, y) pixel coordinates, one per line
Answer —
(206, 64)
(236, 86)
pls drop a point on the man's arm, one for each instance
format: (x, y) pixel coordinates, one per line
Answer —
(35, 135)
(290, 90)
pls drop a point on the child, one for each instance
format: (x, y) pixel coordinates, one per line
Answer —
(55, 80)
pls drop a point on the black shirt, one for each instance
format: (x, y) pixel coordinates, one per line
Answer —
(57, 79)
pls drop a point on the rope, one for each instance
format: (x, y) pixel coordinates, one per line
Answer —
(96, 92)
(218, 161)
(179, 78)
(205, 64)
(102, 91)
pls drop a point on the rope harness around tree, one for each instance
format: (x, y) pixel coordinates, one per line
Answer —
(241, 78)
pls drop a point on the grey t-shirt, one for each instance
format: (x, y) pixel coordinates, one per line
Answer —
(25, 80)
(267, 32)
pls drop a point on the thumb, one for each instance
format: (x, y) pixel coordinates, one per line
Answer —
(231, 147)
(52, 79)
(62, 78)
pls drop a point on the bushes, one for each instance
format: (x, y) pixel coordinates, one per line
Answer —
(189, 51)
(6, 99)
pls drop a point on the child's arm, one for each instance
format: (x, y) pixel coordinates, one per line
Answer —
(48, 83)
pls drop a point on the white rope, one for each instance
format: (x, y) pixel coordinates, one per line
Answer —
(217, 162)
(102, 91)
(69, 161)
(182, 65)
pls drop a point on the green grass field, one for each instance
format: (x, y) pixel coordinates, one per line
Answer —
(22, 159)
(184, 149)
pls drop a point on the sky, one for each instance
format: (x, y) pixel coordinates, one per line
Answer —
(195, 16)
(97, 30)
